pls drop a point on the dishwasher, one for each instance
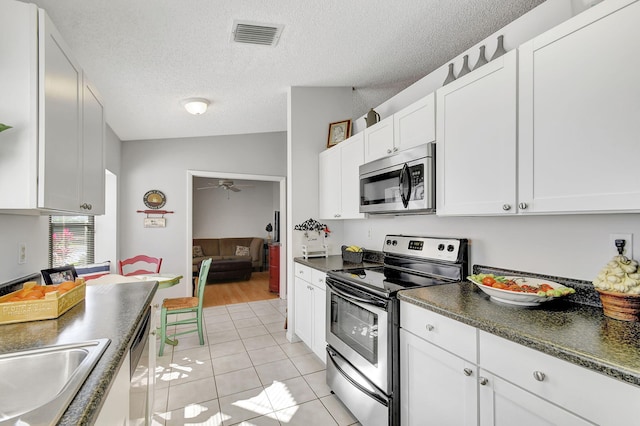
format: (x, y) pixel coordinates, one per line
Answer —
(142, 373)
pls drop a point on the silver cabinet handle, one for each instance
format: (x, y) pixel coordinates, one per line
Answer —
(484, 381)
(388, 151)
(429, 327)
(539, 375)
(523, 206)
(86, 206)
(467, 371)
(395, 149)
(506, 207)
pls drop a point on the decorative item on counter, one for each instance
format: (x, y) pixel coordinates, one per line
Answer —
(450, 77)
(268, 228)
(310, 225)
(482, 60)
(372, 118)
(499, 48)
(618, 284)
(4, 127)
(338, 131)
(465, 67)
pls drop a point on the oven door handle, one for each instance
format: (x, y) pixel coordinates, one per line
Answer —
(379, 304)
(365, 388)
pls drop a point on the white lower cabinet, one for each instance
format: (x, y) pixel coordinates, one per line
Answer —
(450, 376)
(504, 404)
(310, 308)
(437, 387)
(115, 410)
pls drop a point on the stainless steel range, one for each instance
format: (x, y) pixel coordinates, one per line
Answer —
(363, 321)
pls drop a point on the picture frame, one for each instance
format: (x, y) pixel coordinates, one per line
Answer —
(338, 132)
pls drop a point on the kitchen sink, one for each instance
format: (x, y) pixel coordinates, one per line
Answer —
(37, 385)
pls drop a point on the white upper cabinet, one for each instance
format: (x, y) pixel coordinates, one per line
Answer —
(60, 105)
(476, 129)
(416, 124)
(412, 126)
(378, 140)
(339, 183)
(42, 158)
(92, 193)
(579, 121)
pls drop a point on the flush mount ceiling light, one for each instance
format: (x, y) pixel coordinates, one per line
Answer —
(196, 106)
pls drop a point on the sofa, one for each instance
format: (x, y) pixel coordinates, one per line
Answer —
(229, 256)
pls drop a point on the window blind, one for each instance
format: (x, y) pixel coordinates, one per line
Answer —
(71, 240)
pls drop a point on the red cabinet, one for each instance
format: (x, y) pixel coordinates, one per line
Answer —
(274, 268)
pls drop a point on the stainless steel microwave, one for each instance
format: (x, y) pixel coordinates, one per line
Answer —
(403, 183)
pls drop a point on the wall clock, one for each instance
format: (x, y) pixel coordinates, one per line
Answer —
(154, 199)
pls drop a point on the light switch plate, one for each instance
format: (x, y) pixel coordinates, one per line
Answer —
(22, 253)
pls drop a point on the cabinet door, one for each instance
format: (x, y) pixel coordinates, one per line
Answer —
(330, 183)
(92, 194)
(476, 141)
(319, 323)
(436, 387)
(416, 124)
(115, 408)
(303, 311)
(378, 140)
(579, 116)
(352, 157)
(59, 127)
(503, 404)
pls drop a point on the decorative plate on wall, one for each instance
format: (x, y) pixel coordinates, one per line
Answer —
(154, 199)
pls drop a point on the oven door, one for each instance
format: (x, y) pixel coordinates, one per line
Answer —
(357, 328)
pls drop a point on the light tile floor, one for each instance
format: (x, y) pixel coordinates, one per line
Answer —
(246, 373)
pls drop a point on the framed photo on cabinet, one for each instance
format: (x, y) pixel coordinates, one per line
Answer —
(338, 131)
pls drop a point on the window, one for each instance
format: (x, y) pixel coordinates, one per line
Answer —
(71, 240)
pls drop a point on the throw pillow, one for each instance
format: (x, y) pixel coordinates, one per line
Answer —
(242, 251)
(197, 251)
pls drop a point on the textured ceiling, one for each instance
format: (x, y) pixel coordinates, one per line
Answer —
(146, 56)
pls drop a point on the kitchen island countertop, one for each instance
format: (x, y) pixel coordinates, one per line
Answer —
(577, 333)
(110, 311)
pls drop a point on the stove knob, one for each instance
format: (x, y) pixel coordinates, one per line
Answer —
(388, 242)
(450, 248)
(394, 243)
(440, 247)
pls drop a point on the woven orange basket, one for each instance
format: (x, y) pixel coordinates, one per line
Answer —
(621, 306)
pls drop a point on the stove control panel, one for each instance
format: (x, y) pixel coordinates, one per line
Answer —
(447, 249)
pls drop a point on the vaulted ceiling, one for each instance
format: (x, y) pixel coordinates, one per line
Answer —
(147, 56)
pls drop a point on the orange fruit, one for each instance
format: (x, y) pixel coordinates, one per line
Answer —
(67, 285)
(49, 288)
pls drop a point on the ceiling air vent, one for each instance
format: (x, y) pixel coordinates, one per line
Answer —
(255, 33)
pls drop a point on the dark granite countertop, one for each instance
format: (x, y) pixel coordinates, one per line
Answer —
(335, 262)
(574, 332)
(108, 311)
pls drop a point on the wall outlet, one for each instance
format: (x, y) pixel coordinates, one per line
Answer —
(22, 253)
(628, 244)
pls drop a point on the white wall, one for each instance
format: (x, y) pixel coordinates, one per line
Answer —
(219, 213)
(162, 165)
(571, 246)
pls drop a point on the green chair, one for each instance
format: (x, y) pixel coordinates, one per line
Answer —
(184, 306)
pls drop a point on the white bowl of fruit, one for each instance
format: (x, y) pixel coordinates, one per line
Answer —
(522, 291)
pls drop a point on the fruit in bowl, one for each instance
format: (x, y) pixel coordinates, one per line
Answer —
(523, 291)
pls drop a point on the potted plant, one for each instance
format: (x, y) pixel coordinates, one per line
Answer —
(618, 285)
(269, 228)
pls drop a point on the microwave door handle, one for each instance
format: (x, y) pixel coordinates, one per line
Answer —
(405, 178)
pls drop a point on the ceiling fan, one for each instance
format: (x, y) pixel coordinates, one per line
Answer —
(226, 184)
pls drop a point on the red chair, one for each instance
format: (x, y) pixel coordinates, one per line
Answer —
(141, 258)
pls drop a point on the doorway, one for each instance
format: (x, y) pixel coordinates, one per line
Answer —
(194, 178)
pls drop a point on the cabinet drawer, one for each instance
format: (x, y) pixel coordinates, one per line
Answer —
(303, 272)
(568, 385)
(452, 335)
(318, 278)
